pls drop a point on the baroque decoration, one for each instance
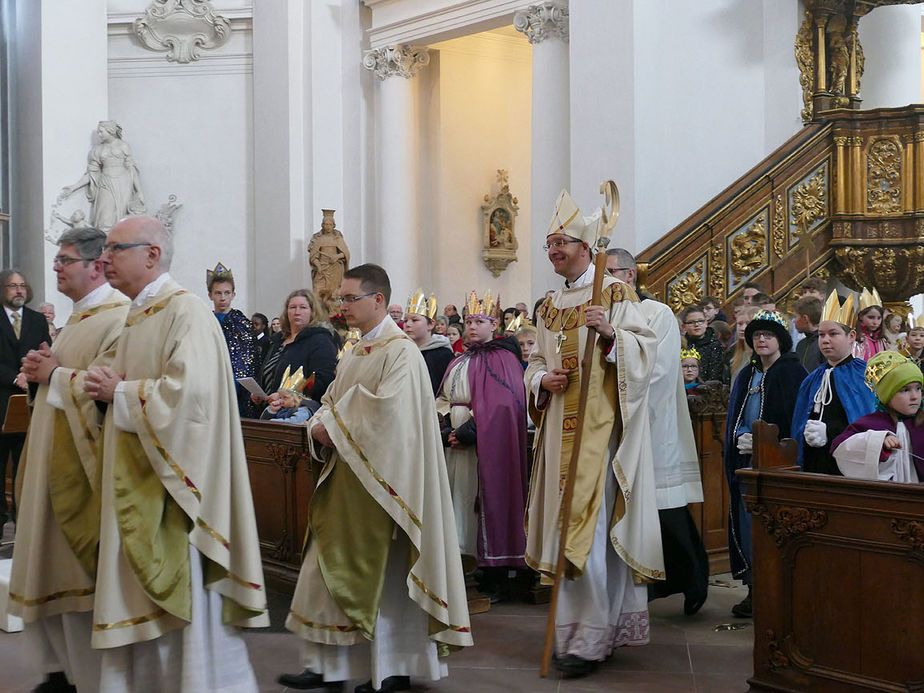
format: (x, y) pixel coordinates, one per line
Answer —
(808, 205)
(717, 271)
(689, 286)
(883, 177)
(499, 211)
(787, 522)
(910, 531)
(747, 250)
(779, 234)
(396, 61)
(542, 21)
(181, 29)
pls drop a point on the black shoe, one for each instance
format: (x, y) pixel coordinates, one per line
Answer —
(390, 684)
(308, 680)
(55, 683)
(693, 604)
(574, 666)
(743, 608)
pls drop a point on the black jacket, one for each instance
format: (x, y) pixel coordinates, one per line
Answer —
(314, 349)
(33, 331)
(711, 355)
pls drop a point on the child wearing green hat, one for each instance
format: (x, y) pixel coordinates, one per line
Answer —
(889, 443)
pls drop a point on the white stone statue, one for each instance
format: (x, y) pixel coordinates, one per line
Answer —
(112, 180)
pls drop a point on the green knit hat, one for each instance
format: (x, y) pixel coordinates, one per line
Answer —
(888, 372)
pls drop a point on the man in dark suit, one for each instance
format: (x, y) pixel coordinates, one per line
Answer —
(21, 329)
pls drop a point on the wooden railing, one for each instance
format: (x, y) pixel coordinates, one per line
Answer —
(842, 198)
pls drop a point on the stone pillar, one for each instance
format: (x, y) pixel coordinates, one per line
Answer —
(396, 173)
(59, 85)
(546, 27)
(891, 40)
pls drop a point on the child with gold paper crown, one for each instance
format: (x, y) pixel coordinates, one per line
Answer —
(889, 443)
(293, 406)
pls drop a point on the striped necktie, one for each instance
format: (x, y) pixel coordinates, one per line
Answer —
(17, 325)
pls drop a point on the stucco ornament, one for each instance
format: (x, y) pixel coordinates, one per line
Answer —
(181, 28)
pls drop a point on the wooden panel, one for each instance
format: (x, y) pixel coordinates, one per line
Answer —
(281, 478)
(838, 571)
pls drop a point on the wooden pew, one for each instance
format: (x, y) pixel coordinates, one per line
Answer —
(838, 577)
(282, 479)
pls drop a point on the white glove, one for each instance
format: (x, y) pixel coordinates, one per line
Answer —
(745, 443)
(816, 433)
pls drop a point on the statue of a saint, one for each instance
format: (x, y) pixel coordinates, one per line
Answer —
(329, 258)
(112, 180)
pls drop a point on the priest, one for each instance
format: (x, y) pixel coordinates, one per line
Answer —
(59, 492)
(380, 595)
(614, 540)
(178, 560)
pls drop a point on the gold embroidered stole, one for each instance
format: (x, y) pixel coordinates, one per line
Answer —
(600, 416)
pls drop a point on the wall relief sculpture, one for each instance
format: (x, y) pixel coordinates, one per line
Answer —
(499, 212)
(748, 249)
(181, 29)
(808, 204)
(112, 184)
(689, 287)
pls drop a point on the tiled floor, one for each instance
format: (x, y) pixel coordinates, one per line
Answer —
(686, 653)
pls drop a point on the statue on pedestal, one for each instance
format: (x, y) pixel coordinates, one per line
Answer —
(112, 180)
(329, 258)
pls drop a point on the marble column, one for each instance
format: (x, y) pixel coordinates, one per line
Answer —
(396, 174)
(891, 40)
(546, 26)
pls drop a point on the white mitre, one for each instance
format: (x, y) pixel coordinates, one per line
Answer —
(567, 219)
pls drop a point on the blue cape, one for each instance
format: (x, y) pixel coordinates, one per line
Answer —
(857, 399)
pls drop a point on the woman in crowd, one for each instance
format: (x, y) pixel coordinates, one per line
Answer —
(738, 355)
(276, 326)
(440, 325)
(765, 389)
(303, 341)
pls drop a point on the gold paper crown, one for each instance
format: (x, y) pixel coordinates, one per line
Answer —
(487, 307)
(515, 322)
(296, 382)
(833, 311)
(220, 272)
(869, 299)
(880, 365)
(353, 335)
(422, 306)
(690, 353)
(915, 322)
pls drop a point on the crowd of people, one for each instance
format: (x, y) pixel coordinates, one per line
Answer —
(446, 442)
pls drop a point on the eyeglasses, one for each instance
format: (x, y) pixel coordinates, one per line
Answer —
(353, 299)
(760, 334)
(612, 272)
(113, 248)
(691, 323)
(560, 243)
(690, 366)
(24, 287)
(64, 260)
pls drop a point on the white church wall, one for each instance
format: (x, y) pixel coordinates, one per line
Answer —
(479, 123)
(703, 91)
(891, 40)
(190, 126)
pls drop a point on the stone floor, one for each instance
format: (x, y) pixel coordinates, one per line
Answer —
(686, 653)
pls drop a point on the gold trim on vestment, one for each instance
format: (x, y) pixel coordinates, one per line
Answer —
(215, 535)
(88, 434)
(137, 620)
(38, 601)
(90, 312)
(384, 484)
(132, 320)
(426, 590)
(160, 448)
(322, 626)
(361, 349)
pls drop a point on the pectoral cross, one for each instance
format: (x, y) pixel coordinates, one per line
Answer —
(559, 338)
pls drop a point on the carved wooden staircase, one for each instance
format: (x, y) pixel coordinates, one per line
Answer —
(843, 198)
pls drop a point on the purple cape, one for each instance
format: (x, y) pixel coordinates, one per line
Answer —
(495, 377)
(882, 421)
